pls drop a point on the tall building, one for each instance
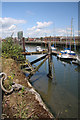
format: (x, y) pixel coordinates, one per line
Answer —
(20, 34)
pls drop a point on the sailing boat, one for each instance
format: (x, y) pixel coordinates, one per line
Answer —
(63, 53)
(67, 53)
(69, 49)
(74, 40)
(52, 46)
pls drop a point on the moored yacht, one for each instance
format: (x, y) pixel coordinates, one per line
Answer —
(38, 48)
(68, 51)
(53, 48)
(63, 55)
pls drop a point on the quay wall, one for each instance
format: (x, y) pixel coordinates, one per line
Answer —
(58, 43)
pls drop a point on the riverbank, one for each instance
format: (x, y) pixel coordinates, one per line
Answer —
(25, 103)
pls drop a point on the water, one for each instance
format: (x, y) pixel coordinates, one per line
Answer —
(61, 93)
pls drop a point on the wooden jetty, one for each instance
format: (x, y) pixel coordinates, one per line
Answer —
(28, 68)
(55, 52)
(34, 61)
(46, 52)
(32, 53)
(41, 52)
(33, 70)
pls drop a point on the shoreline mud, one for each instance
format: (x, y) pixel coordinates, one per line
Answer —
(25, 103)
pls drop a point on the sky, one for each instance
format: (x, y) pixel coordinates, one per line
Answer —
(39, 19)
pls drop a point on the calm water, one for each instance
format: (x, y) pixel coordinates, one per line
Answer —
(61, 93)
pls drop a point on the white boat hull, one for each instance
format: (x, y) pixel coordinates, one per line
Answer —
(64, 56)
(38, 49)
(53, 48)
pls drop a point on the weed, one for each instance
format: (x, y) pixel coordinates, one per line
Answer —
(9, 49)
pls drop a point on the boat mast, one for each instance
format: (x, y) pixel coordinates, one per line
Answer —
(71, 33)
(54, 35)
(74, 40)
(66, 37)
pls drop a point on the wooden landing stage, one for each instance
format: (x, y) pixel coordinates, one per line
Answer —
(33, 53)
(55, 52)
(43, 52)
(46, 52)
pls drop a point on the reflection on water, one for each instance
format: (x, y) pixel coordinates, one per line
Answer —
(61, 93)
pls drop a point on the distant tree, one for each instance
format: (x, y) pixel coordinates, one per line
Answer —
(41, 38)
(26, 39)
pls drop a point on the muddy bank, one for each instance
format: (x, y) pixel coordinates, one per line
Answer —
(25, 103)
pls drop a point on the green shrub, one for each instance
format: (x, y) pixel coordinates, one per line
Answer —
(9, 49)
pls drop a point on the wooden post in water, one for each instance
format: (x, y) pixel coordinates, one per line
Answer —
(50, 75)
(23, 44)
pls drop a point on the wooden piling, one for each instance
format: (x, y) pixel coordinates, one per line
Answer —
(49, 48)
(23, 44)
(50, 75)
(36, 69)
(37, 60)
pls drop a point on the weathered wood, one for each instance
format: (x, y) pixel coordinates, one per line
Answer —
(41, 63)
(34, 61)
(55, 52)
(30, 66)
(50, 75)
(36, 69)
(23, 44)
(23, 65)
(52, 52)
(31, 53)
(49, 48)
(25, 71)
